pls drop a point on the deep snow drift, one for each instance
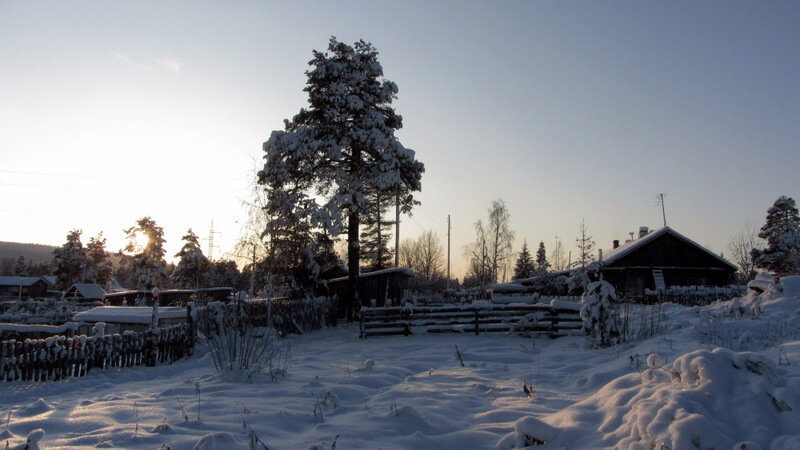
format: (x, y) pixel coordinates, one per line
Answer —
(720, 376)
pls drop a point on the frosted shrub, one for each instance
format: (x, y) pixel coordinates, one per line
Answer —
(598, 313)
(238, 345)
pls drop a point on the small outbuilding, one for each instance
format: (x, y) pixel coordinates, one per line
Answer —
(119, 319)
(375, 288)
(85, 293)
(24, 287)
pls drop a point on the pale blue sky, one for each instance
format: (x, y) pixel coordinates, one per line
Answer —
(110, 111)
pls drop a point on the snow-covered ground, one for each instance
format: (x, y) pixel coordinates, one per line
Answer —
(678, 389)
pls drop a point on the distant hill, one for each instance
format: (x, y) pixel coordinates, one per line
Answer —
(35, 253)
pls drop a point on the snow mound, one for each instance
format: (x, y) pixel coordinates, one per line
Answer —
(366, 366)
(779, 300)
(706, 399)
(38, 407)
(214, 441)
(528, 431)
(791, 286)
(32, 443)
(162, 428)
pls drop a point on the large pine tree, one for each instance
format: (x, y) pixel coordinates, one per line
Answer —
(342, 145)
(148, 265)
(782, 233)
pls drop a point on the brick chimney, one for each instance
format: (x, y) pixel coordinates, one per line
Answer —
(616, 243)
(643, 232)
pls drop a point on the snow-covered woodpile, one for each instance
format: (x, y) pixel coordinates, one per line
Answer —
(60, 357)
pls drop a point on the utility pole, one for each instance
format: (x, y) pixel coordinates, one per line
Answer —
(397, 229)
(448, 252)
(253, 274)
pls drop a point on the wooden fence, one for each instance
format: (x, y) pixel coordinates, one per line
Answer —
(476, 318)
(61, 357)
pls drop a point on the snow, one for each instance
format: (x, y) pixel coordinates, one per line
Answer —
(676, 389)
(128, 314)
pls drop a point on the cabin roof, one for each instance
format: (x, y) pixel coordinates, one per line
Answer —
(614, 255)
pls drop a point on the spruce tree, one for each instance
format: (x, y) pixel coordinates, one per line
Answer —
(193, 268)
(98, 267)
(542, 266)
(524, 267)
(70, 260)
(585, 245)
(782, 233)
(21, 269)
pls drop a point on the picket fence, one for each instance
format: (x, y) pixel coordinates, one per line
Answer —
(60, 357)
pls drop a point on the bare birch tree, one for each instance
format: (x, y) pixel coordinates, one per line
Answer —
(741, 245)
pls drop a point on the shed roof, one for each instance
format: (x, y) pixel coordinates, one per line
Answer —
(86, 290)
(24, 281)
(405, 271)
(128, 314)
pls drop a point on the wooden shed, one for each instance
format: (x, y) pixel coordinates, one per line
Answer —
(85, 292)
(374, 288)
(24, 287)
(119, 319)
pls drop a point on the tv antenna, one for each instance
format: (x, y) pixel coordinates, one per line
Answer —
(660, 201)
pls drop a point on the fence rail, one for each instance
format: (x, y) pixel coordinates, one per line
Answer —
(476, 318)
(61, 357)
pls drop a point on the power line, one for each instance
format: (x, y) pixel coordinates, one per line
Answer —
(118, 177)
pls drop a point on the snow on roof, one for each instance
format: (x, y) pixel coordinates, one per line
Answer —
(612, 256)
(86, 290)
(403, 270)
(16, 281)
(128, 314)
(36, 328)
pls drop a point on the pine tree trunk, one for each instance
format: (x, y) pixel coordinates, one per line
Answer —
(352, 265)
(353, 248)
(379, 262)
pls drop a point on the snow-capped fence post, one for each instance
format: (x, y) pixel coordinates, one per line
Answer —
(154, 319)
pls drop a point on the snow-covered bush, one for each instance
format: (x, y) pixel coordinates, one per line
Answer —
(578, 282)
(238, 344)
(598, 313)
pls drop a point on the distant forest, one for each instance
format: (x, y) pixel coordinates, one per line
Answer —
(36, 254)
